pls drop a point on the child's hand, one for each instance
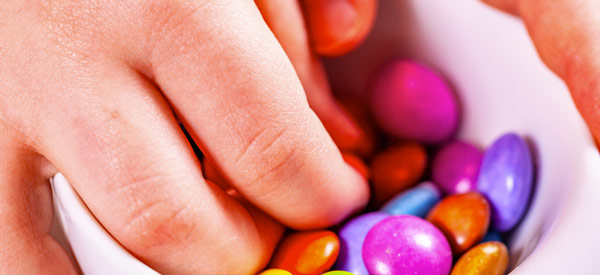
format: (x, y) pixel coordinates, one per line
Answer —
(93, 89)
(566, 34)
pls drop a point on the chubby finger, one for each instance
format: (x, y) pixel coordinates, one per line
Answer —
(509, 6)
(565, 33)
(338, 26)
(26, 246)
(247, 107)
(286, 21)
(121, 148)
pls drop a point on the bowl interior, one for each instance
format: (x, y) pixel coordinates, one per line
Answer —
(503, 86)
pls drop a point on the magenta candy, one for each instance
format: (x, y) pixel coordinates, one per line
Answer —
(410, 100)
(456, 167)
(406, 244)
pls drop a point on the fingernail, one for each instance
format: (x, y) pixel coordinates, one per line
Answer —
(344, 130)
(332, 24)
(364, 144)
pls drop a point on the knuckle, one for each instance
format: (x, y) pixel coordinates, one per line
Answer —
(270, 154)
(152, 218)
(156, 226)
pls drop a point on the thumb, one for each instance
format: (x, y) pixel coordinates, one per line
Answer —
(566, 36)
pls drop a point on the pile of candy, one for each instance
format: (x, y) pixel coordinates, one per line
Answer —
(451, 224)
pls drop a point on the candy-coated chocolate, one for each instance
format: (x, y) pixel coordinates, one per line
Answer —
(456, 166)
(489, 258)
(506, 179)
(396, 169)
(410, 100)
(275, 271)
(307, 253)
(357, 163)
(338, 272)
(352, 235)
(406, 244)
(463, 218)
(492, 235)
(416, 201)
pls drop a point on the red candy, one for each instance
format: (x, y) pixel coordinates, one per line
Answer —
(397, 169)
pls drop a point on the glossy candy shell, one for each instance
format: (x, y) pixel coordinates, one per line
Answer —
(506, 179)
(416, 201)
(489, 258)
(411, 101)
(406, 244)
(463, 218)
(275, 271)
(307, 253)
(352, 235)
(455, 167)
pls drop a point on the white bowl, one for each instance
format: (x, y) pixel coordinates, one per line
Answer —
(504, 87)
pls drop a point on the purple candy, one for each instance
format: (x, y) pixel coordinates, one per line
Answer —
(406, 244)
(352, 236)
(410, 100)
(506, 179)
(456, 167)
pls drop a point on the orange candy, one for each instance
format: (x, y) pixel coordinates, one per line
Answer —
(396, 169)
(307, 253)
(463, 218)
(358, 164)
(489, 258)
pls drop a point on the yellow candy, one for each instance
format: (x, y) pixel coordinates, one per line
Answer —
(489, 258)
(338, 272)
(275, 271)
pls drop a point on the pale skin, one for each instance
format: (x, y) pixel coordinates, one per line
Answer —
(94, 89)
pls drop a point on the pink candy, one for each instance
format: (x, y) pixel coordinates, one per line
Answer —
(410, 100)
(456, 167)
(406, 244)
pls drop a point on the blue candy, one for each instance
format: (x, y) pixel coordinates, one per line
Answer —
(492, 236)
(506, 179)
(416, 201)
